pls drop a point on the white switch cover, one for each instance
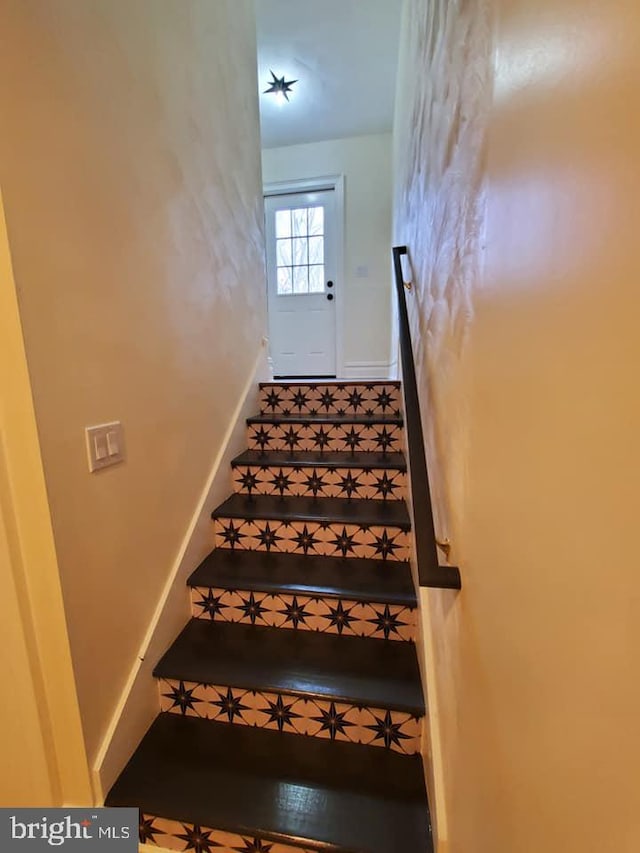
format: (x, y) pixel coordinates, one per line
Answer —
(105, 445)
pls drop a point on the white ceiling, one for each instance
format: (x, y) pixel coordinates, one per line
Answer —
(344, 53)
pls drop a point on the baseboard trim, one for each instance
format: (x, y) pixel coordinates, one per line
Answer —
(138, 703)
(367, 370)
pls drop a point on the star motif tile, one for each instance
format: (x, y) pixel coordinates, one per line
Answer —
(310, 717)
(186, 698)
(174, 835)
(307, 613)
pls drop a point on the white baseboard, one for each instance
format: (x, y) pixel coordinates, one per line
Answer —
(366, 370)
(139, 703)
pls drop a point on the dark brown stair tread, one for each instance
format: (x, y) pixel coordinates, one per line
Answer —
(377, 673)
(325, 418)
(328, 577)
(321, 459)
(362, 512)
(313, 383)
(277, 786)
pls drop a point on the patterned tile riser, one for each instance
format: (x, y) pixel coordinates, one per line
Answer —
(174, 835)
(288, 713)
(376, 483)
(370, 438)
(297, 537)
(331, 399)
(305, 613)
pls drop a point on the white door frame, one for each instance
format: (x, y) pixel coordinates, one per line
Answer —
(309, 185)
(32, 605)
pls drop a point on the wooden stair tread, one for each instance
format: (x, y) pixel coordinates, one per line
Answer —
(280, 787)
(358, 511)
(329, 577)
(361, 671)
(320, 459)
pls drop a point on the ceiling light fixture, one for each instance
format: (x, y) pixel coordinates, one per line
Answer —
(279, 87)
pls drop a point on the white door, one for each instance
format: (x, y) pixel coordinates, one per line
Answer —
(301, 282)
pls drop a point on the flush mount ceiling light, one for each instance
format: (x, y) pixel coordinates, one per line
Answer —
(279, 87)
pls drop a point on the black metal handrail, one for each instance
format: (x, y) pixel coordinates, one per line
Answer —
(430, 572)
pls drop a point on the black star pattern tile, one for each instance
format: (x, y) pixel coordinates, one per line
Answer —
(210, 603)
(327, 400)
(385, 439)
(321, 438)
(252, 609)
(231, 534)
(291, 437)
(294, 613)
(281, 483)
(230, 706)
(355, 400)
(305, 540)
(182, 697)
(333, 721)
(340, 617)
(300, 400)
(309, 614)
(387, 623)
(344, 543)
(147, 830)
(314, 483)
(268, 536)
(353, 438)
(261, 437)
(197, 839)
(247, 480)
(281, 713)
(349, 484)
(388, 731)
(385, 486)
(308, 717)
(384, 400)
(385, 545)
(178, 834)
(254, 845)
(272, 401)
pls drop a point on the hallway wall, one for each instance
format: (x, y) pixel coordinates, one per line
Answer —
(130, 167)
(365, 161)
(517, 186)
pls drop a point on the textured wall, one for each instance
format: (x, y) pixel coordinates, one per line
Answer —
(365, 161)
(130, 166)
(517, 183)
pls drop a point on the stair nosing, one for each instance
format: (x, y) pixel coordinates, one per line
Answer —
(296, 458)
(278, 508)
(274, 418)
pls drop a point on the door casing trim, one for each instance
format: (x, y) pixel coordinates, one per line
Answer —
(309, 185)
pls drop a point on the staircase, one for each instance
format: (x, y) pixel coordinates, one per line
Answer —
(291, 703)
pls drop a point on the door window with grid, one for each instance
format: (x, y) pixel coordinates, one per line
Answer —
(300, 251)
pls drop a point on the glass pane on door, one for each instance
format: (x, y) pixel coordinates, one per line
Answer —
(300, 250)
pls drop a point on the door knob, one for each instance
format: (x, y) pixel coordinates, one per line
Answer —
(329, 296)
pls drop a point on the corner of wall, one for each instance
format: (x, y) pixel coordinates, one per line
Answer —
(138, 704)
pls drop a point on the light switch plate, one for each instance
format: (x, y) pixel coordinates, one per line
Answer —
(105, 445)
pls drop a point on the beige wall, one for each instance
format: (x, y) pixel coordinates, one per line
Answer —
(365, 161)
(527, 309)
(129, 160)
